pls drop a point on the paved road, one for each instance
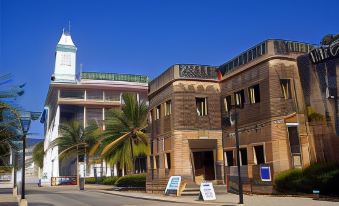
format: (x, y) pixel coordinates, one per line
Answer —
(71, 196)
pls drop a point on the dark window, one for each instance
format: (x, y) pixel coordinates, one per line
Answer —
(244, 56)
(259, 156)
(75, 94)
(168, 108)
(140, 165)
(157, 112)
(286, 88)
(241, 60)
(235, 62)
(112, 96)
(259, 51)
(250, 55)
(263, 48)
(94, 94)
(157, 161)
(243, 156)
(229, 158)
(230, 65)
(293, 137)
(201, 104)
(254, 51)
(239, 98)
(168, 160)
(254, 94)
(228, 103)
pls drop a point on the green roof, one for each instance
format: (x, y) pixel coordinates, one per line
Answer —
(115, 77)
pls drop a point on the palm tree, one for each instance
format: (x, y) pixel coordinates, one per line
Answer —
(4, 154)
(9, 116)
(10, 128)
(124, 137)
(38, 154)
(74, 139)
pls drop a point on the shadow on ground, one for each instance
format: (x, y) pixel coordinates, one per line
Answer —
(5, 190)
(40, 204)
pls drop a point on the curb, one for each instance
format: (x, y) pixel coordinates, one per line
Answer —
(157, 199)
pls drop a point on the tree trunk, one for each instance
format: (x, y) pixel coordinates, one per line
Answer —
(78, 166)
(102, 168)
(132, 153)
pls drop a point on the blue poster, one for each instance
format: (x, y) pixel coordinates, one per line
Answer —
(265, 173)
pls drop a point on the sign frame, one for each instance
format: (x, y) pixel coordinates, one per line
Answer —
(173, 185)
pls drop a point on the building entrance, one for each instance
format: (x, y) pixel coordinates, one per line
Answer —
(204, 165)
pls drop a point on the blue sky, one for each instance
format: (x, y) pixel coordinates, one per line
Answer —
(146, 37)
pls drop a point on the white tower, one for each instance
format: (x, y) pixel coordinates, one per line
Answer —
(65, 60)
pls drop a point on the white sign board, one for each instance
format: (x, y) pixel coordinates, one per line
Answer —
(207, 191)
(173, 185)
(82, 169)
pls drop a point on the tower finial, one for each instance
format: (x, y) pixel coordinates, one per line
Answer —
(63, 29)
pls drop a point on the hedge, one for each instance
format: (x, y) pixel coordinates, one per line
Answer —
(90, 180)
(102, 180)
(109, 180)
(136, 180)
(323, 177)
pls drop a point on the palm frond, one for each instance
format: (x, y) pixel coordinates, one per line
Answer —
(38, 154)
(112, 144)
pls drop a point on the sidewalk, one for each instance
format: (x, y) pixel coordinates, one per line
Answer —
(6, 195)
(228, 199)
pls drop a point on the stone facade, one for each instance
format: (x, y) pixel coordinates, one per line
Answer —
(286, 111)
(178, 134)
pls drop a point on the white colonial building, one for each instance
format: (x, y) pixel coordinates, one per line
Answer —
(82, 96)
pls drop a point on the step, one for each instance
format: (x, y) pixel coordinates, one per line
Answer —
(192, 189)
(190, 193)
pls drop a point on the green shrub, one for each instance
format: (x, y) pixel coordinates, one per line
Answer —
(90, 180)
(288, 180)
(109, 180)
(137, 180)
(313, 115)
(323, 177)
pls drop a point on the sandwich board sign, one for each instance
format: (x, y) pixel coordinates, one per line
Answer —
(173, 185)
(265, 173)
(207, 191)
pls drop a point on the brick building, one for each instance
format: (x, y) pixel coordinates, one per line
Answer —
(185, 125)
(285, 119)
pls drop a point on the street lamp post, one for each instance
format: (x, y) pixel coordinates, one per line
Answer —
(14, 168)
(237, 142)
(25, 121)
(241, 196)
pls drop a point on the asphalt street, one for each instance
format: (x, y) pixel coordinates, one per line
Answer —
(71, 196)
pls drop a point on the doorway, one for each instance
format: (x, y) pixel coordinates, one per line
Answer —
(204, 165)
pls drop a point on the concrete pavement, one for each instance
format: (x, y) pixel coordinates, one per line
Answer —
(6, 195)
(72, 196)
(98, 195)
(229, 199)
